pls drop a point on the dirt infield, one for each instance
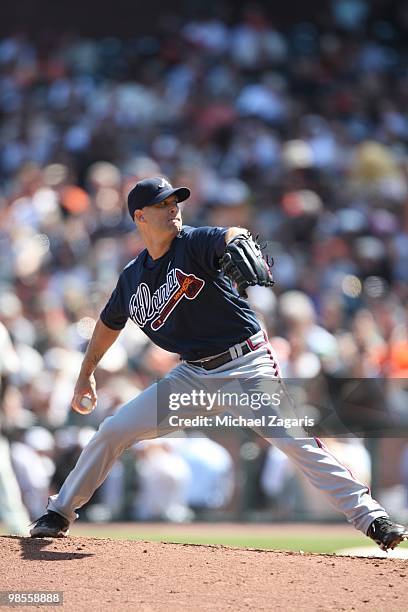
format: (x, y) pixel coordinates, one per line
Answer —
(155, 577)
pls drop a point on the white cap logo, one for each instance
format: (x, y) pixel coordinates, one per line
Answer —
(163, 183)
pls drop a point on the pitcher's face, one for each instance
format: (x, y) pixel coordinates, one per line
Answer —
(162, 218)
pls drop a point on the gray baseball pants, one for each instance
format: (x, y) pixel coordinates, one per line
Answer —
(138, 420)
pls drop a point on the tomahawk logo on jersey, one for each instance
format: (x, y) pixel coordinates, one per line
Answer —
(144, 306)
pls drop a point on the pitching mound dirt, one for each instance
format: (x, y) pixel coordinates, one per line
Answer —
(155, 577)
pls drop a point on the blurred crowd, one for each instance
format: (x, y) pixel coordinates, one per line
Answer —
(299, 135)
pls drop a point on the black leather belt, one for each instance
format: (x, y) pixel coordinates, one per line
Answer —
(211, 363)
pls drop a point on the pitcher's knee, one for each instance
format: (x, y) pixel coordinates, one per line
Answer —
(113, 430)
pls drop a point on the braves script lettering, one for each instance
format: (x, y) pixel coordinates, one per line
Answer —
(145, 306)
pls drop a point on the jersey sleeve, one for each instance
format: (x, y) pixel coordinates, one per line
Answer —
(207, 244)
(114, 314)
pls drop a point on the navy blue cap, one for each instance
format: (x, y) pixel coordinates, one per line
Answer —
(152, 191)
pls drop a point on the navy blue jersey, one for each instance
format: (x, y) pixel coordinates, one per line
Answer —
(181, 300)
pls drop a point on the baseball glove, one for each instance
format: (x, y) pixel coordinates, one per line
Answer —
(245, 265)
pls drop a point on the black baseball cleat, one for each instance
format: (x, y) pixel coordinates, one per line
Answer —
(50, 525)
(386, 533)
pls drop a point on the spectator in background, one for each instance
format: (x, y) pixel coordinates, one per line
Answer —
(12, 510)
(34, 468)
(277, 482)
(211, 484)
(163, 479)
